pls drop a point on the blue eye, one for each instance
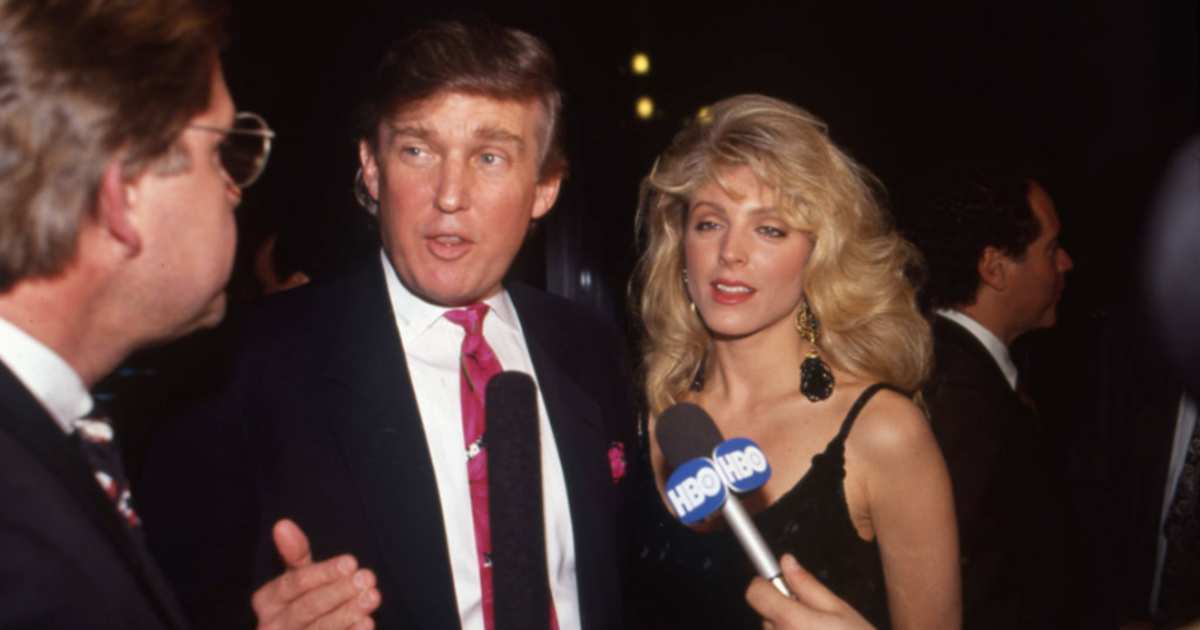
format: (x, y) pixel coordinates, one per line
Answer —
(704, 226)
(491, 159)
(772, 231)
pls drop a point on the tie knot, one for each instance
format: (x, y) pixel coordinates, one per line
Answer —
(470, 318)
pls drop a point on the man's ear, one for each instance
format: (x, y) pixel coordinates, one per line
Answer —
(370, 169)
(994, 268)
(545, 195)
(115, 203)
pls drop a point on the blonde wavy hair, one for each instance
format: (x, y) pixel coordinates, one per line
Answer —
(857, 279)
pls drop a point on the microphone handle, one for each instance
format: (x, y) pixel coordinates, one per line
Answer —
(752, 542)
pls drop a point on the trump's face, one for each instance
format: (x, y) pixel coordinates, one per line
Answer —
(457, 180)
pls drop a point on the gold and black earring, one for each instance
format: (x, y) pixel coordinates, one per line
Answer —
(688, 294)
(816, 380)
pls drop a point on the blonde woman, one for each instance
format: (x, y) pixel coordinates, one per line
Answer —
(774, 294)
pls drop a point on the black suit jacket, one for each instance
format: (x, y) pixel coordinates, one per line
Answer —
(67, 560)
(1010, 519)
(1121, 470)
(319, 421)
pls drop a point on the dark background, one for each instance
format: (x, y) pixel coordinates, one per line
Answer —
(1092, 96)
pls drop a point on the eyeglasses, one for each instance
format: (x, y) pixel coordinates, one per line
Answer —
(244, 148)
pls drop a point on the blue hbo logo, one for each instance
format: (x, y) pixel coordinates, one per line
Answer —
(742, 465)
(695, 490)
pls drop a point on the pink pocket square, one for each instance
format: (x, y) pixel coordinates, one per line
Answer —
(616, 461)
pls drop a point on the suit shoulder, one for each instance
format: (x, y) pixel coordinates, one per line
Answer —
(306, 313)
(557, 317)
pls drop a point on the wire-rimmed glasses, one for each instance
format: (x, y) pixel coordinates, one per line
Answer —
(245, 147)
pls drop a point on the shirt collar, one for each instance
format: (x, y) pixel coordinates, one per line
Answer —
(990, 341)
(415, 316)
(46, 375)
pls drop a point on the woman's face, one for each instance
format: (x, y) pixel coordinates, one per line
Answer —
(745, 265)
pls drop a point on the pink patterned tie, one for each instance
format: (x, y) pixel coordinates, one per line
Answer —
(479, 365)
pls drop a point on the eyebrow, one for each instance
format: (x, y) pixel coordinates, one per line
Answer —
(489, 133)
(414, 131)
(761, 210)
(498, 134)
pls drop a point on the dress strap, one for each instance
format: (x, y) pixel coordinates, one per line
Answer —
(863, 398)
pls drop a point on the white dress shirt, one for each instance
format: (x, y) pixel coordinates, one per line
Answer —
(1185, 424)
(994, 346)
(46, 375)
(432, 346)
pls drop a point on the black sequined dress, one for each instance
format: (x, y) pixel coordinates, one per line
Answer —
(687, 579)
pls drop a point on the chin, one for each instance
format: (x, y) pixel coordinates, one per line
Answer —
(1049, 319)
(213, 314)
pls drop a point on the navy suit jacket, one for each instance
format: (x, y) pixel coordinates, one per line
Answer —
(318, 422)
(1010, 517)
(67, 560)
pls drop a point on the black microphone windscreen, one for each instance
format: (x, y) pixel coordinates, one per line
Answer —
(520, 576)
(511, 400)
(685, 431)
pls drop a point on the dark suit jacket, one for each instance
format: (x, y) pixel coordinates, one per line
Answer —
(1010, 520)
(1121, 465)
(319, 422)
(67, 560)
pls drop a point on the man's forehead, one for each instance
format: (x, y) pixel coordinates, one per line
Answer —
(220, 109)
(1043, 209)
(451, 107)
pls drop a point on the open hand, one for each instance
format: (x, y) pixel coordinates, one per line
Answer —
(330, 595)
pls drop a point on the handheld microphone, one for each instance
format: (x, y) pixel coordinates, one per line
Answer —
(520, 579)
(705, 469)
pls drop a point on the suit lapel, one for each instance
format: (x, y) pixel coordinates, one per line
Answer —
(29, 424)
(380, 430)
(985, 365)
(579, 435)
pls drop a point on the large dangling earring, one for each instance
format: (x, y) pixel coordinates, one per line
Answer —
(816, 380)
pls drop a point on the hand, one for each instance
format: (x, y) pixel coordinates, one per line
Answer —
(814, 606)
(327, 595)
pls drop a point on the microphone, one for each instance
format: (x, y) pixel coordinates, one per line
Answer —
(520, 579)
(704, 467)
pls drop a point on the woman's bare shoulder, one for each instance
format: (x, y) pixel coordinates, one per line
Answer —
(890, 427)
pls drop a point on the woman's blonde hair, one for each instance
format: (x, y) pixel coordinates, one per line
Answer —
(856, 280)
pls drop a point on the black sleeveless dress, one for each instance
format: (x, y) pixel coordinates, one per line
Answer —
(687, 579)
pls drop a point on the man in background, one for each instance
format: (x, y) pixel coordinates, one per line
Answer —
(995, 272)
(1140, 457)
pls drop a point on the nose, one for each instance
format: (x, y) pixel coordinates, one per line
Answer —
(233, 192)
(1064, 261)
(453, 185)
(732, 249)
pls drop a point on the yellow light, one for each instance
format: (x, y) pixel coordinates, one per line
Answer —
(644, 107)
(704, 115)
(640, 63)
